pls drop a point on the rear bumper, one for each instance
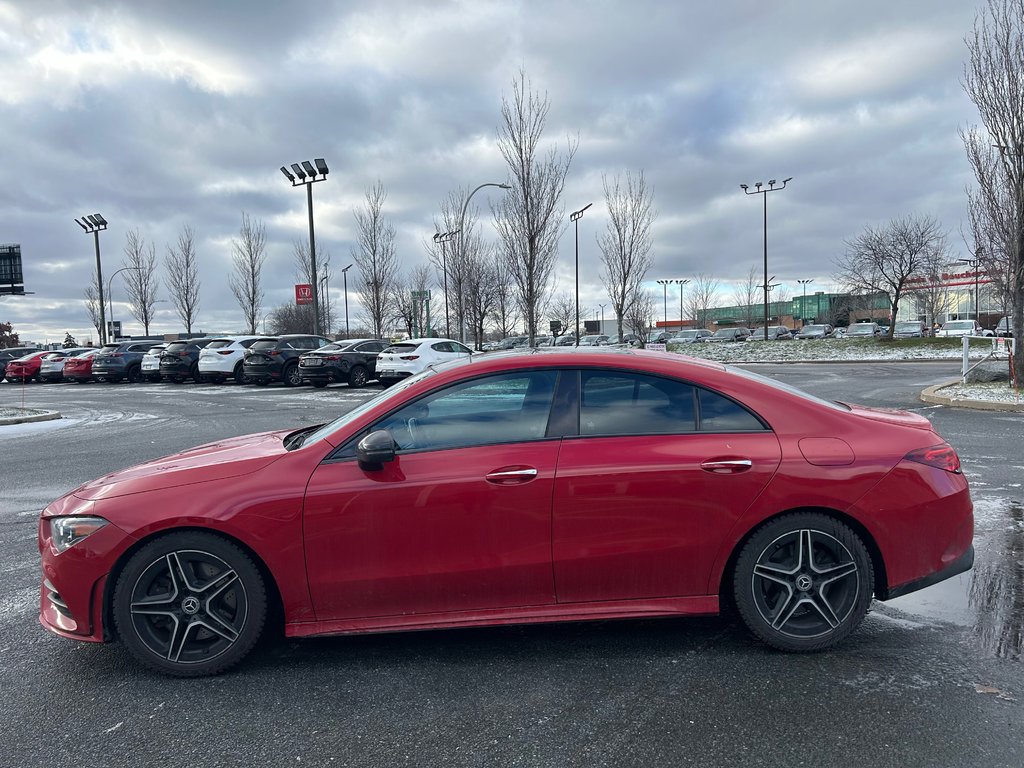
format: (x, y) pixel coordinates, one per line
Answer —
(961, 564)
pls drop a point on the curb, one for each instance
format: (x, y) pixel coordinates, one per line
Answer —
(931, 395)
(30, 418)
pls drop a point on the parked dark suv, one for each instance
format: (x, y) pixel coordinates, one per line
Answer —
(120, 360)
(276, 358)
(352, 360)
(180, 360)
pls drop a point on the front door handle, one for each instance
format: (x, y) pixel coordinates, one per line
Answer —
(726, 466)
(511, 475)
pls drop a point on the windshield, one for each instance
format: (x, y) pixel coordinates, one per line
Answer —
(814, 329)
(397, 349)
(218, 343)
(725, 332)
(109, 349)
(264, 344)
(860, 329)
(686, 335)
(908, 326)
(347, 418)
(177, 346)
(959, 325)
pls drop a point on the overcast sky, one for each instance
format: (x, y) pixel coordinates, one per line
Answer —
(161, 114)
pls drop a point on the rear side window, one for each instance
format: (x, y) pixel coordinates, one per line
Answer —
(370, 346)
(720, 414)
(625, 403)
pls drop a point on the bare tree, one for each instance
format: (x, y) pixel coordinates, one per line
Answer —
(562, 308)
(304, 275)
(481, 287)
(291, 318)
(701, 299)
(747, 295)
(250, 252)
(375, 259)
(504, 313)
(92, 304)
(994, 81)
(454, 259)
(183, 277)
(626, 242)
(529, 218)
(413, 313)
(640, 318)
(884, 258)
(140, 278)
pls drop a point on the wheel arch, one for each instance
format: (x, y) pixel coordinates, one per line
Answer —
(881, 578)
(275, 604)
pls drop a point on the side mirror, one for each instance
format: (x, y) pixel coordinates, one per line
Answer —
(376, 449)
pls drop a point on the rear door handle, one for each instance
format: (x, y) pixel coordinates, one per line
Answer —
(726, 466)
(511, 475)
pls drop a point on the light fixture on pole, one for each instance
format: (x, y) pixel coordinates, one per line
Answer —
(975, 265)
(681, 284)
(94, 224)
(803, 301)
(110, 294)
(575, 217)
(308, 175)
(462, 244)
(442, 238)
(344, 274)
(760, 189)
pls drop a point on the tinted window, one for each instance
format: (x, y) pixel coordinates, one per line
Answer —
(177, 346)
(370, 346)
(247, 343)
(264, 344)
(509, 408)
(634, 404)
(720, 414)
(401, 349)
(219, 343)
(332, 347)
(139, 348)
(441, 346)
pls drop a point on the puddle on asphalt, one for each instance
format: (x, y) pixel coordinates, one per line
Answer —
(990, 597)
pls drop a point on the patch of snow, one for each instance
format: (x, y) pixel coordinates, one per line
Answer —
(992, 393)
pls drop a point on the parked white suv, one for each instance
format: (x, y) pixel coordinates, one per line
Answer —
(149, 368)
(223, 357)
(962, 328)
(405, 358)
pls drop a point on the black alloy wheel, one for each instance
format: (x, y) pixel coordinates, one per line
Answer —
(239, 374)
(134, 374)
(357, 377)
(292, 376)
(803, 582)
(189, 604)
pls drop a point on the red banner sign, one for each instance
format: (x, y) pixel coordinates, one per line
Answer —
(304, 293)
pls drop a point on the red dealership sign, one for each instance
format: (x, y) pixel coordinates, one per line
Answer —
(304, 293)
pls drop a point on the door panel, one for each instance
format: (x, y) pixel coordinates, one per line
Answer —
(430, 533)
(638, 517)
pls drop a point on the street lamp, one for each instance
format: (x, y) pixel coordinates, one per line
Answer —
(344, 274)
(760, 189)
(602, 306)
(308, 175)
(325, 293)
(110, 293)
(975, 265)
(664, 298)
(462, 246)
(94, 223)
(803, 302)
(575, 217)
(442, 238)
(681, 284)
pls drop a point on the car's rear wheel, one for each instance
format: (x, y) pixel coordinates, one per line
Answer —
(190, 604)
(803, 582)
(357, 377)
(292, 376)
(239, 374)
(134, 374)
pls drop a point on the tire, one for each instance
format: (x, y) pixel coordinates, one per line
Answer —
(195, 375)
(358, 377)
(291, 376)
(319, 383)
(261, 382)
(134, 374)
(803, 582)
(239, 375)
(190, 604)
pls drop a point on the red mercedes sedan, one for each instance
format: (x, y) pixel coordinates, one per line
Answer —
(542, 486)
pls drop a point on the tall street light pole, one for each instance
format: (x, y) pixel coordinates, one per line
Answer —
(110, 293)
(664, 298)
(344, 274)
(681, 284)
(803, 302)
(760, 189)
(575, 217)
(326, 295)
(94, 223)
(602, 306)
(308, 175)
(462, 246)
(442, 238)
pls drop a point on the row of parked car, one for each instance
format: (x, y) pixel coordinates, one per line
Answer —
(293, 360)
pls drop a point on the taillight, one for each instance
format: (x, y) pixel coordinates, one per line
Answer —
(409, 357)
(275, 352)
(940, 456)
(331, 357)
(183, 354)
(223, 351)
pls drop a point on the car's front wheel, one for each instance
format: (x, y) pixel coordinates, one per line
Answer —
(803, 582)
(292, 376)
(358, 377)
(190, 604)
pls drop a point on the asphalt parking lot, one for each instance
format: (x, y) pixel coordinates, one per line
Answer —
(931, 679)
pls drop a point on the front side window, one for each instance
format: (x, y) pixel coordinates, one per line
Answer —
(507, 408)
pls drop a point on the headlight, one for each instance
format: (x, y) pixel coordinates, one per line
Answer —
(68, 531)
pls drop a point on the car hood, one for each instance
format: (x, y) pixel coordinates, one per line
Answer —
(214, 461)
